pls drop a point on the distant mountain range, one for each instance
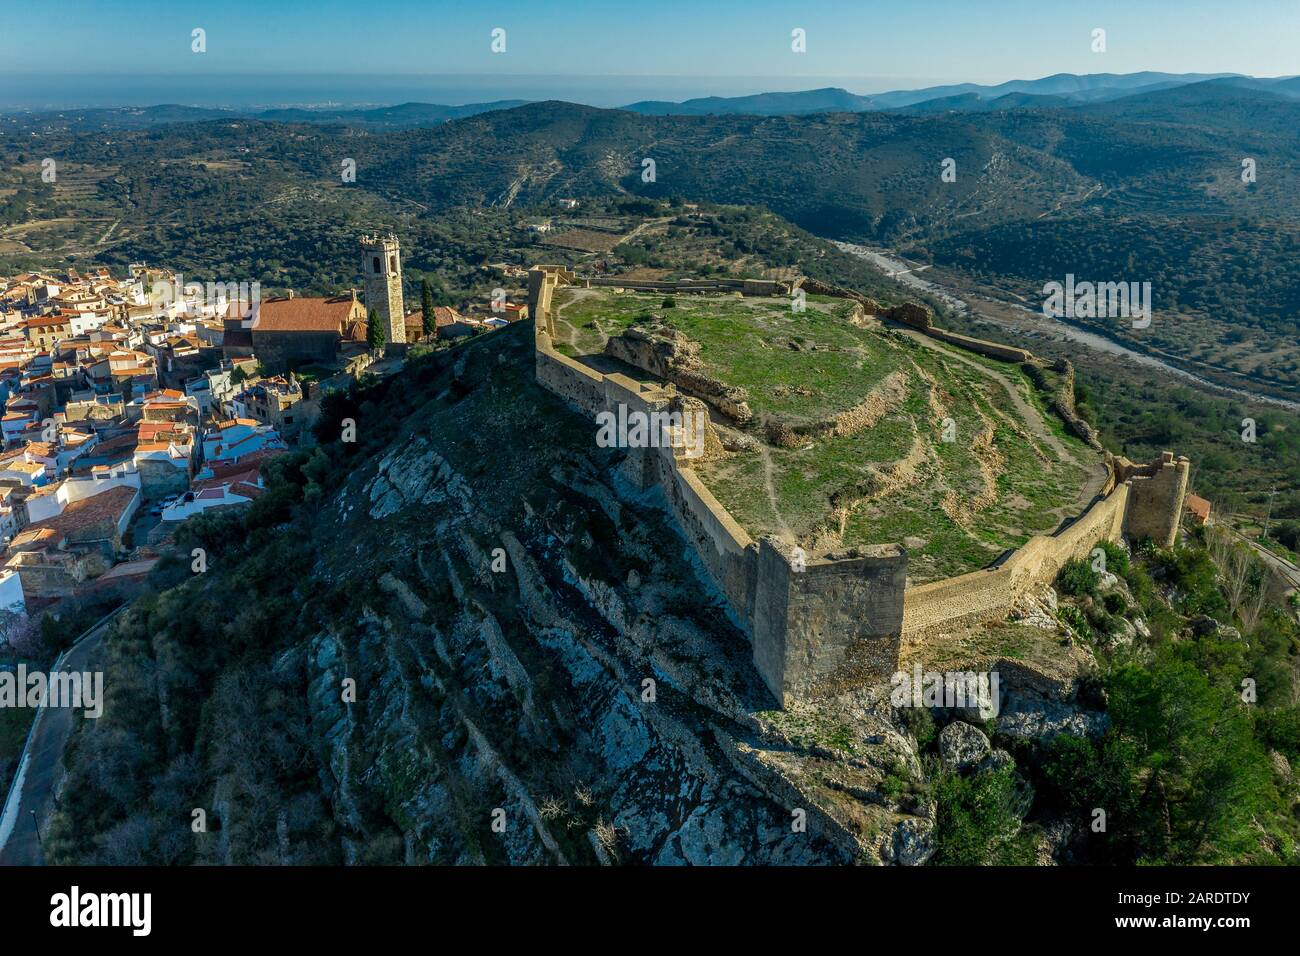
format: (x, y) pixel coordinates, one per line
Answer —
(1156, 184)
(1060, 91)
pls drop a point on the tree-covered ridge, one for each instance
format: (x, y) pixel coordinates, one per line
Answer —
(1224, 290)
(1145, 188)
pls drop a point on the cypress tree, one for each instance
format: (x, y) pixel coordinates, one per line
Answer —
(375, 337)
(426, 303)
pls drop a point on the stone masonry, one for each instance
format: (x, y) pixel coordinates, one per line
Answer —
(381, 265)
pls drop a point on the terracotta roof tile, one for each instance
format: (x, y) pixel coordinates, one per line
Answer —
(304, 314)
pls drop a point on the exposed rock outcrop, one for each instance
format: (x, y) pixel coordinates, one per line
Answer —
(535, 654)
(962, 746)
(667, 353)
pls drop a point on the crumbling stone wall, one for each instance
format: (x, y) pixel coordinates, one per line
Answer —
(1062, 403)
(815, 287)
(670, 355)
(913, 314)
(1004, 353)
(759, 287)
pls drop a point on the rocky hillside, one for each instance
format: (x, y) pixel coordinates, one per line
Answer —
(529, 649)
(459, 639)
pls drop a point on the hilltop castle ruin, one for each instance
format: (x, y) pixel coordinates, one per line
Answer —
(825, 623)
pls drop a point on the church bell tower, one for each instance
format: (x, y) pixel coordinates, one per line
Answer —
(381, 264)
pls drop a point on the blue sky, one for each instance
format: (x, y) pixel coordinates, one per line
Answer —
(865, 45)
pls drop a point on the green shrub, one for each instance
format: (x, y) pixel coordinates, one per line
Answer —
(920, 722)
(1146, 548)
(979, 821)
(1078, 578)
(1279, 730)
(1288, 532)
(1195, 578)
(1117, 560)
(1075, 620)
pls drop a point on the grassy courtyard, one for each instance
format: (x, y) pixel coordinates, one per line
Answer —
(895, 436)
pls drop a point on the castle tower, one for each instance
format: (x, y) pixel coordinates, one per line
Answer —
(381, 265)
(1156, 501)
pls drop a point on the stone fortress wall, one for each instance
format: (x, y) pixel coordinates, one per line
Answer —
(840, 620)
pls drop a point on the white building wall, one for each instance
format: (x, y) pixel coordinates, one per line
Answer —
(11, 592)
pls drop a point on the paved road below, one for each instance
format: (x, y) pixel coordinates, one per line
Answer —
(1287, 572)
(40, 763)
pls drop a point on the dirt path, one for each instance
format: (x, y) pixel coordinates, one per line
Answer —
(572, 294)
(641, 228)
(1032, 418)
(770, 489)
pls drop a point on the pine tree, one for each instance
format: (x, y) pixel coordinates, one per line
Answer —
(426, 303)
(374, 331)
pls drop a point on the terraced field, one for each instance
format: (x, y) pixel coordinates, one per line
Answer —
(861, 433)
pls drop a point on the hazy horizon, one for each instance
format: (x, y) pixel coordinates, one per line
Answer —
(270, 90)
(337, 52)
(41, 92)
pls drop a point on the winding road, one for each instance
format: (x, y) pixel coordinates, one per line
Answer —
(32, 793)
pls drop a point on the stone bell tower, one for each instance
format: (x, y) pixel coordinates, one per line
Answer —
(381, 265)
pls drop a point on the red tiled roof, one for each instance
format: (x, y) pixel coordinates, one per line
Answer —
(36, 537)
(128, 569)
(116, 443)
(304, 314)
(107, 504)
(442, 315)
(252, 462)
(246, 490)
